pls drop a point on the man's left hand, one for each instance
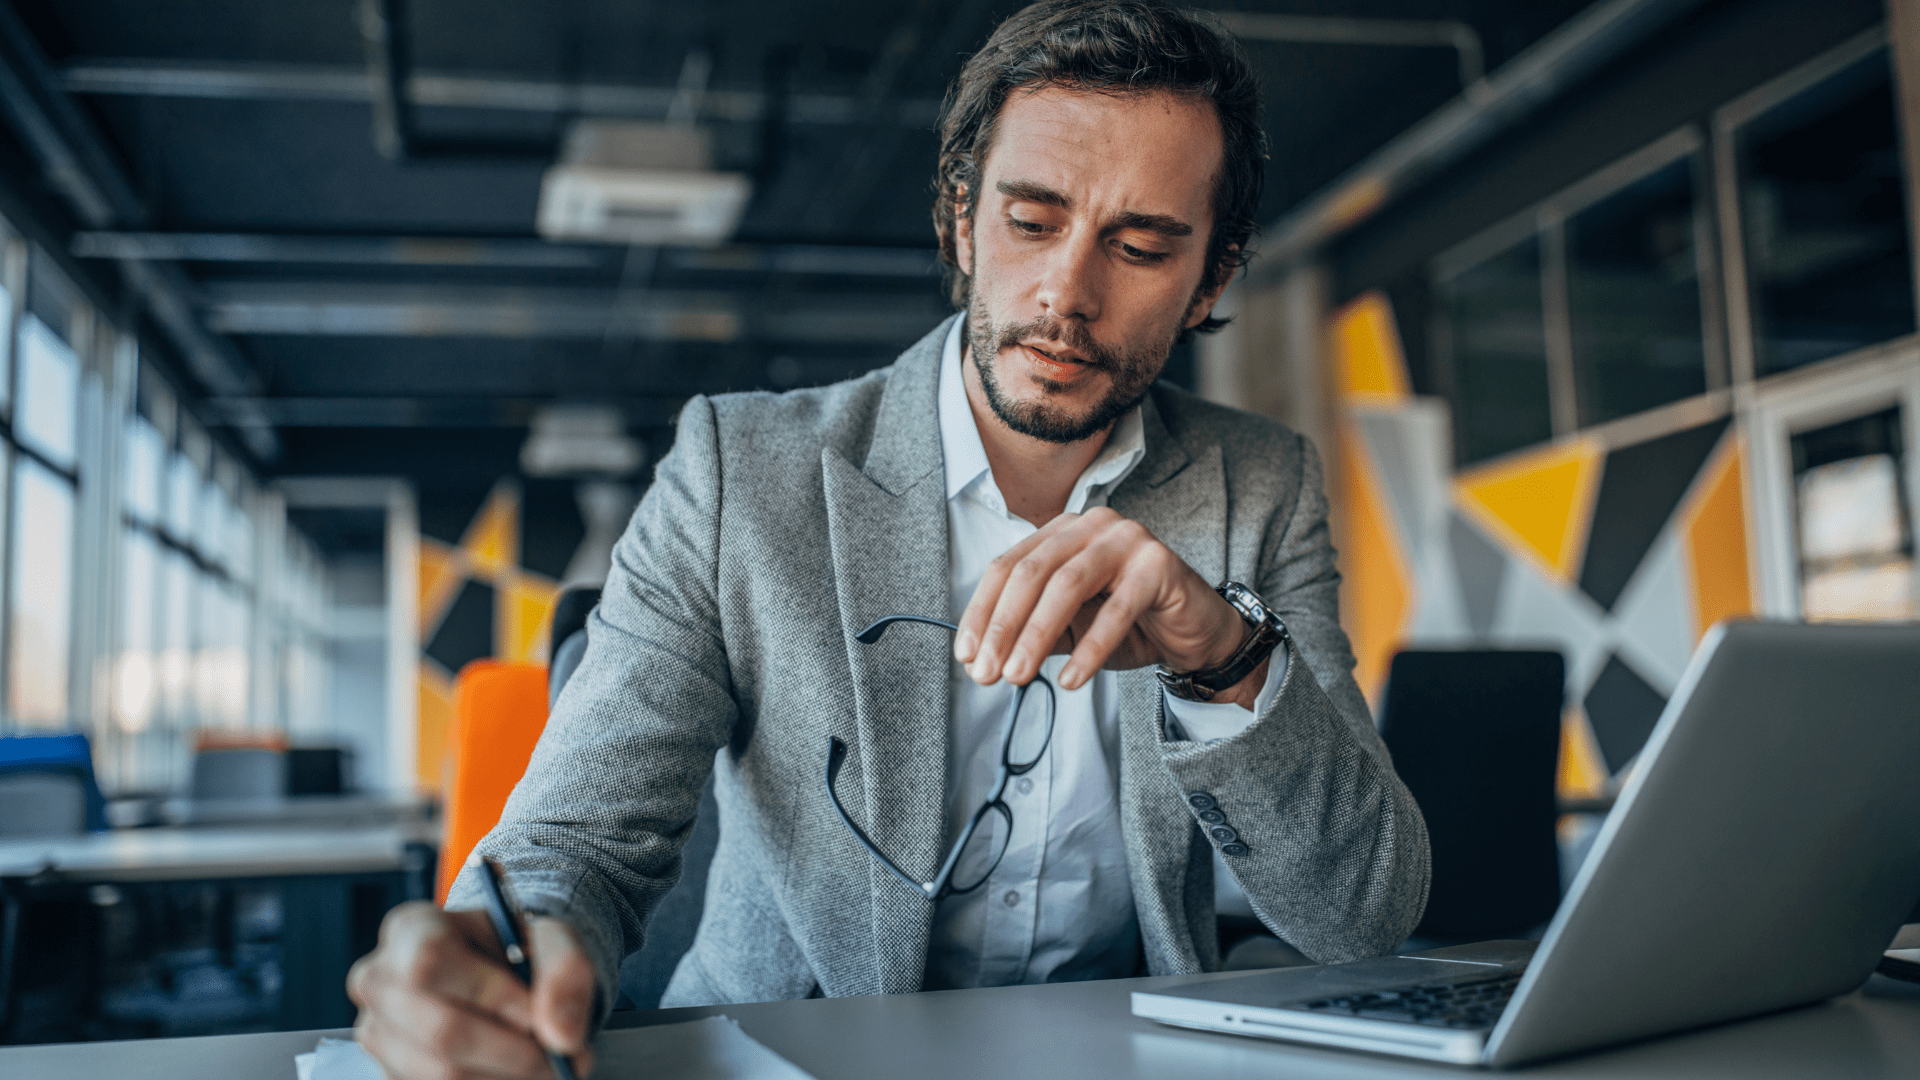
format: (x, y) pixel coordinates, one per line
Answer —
(1104, 589)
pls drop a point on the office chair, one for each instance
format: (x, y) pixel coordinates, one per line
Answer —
(499, 711)
(1475, 735)
(47, 787)
(645, 974)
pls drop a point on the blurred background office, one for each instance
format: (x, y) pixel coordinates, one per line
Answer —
(338, 339)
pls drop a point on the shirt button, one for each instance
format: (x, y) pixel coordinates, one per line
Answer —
(1225, 834)
(1200, 800)
(1236, 849)
(1213, 817)
(1026, 785)
(1012, 898)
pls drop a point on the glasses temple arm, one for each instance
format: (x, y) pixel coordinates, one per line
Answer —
(836, 753)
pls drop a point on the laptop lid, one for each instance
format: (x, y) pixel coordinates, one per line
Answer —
(1762, 856)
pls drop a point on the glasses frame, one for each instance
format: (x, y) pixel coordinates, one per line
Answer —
(942, 885)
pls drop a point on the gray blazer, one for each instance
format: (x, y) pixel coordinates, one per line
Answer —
(781, 524)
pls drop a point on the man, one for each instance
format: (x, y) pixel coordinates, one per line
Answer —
(1099, 172)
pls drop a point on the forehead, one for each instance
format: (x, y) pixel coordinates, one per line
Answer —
(1154, 152)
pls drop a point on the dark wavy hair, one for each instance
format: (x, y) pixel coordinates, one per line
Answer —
(1109, 47)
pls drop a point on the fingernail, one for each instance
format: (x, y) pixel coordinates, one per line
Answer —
(980, 669)
(963, 645)
(1017, 664)
(1069, 678)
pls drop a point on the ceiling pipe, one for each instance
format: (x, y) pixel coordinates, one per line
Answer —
(77, 164)
(501, 252)
(385, 29)
(1520, 88)
(217, 81)
(1333, 30)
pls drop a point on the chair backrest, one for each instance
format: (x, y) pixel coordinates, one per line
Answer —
(1475, 735)
(499, 711)
(318, 770)
(42, 804)
(239, 773)
(569, 635)
(69, 756)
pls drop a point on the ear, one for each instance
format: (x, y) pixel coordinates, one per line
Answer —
(1203, 302)
(963, 227)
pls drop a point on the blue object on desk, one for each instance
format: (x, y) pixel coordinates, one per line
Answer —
(56, 756)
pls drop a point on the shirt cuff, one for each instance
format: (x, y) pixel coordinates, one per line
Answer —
(1205, 722)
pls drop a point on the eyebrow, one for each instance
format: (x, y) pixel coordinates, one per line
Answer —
(1029, 191)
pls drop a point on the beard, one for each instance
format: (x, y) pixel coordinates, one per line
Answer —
(1130, 371)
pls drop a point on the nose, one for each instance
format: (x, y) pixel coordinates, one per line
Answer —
(1073, 280)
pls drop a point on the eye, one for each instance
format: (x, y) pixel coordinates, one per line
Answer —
(1141, 255)
(1026, 228)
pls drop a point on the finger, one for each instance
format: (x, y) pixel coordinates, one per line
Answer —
(1075, 583)
(973, 622)
(447, 962)
(563, 986)
(414, 1034)
(1026, 581)
(1130, 598)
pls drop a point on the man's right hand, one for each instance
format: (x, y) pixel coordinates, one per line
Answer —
(438, 1002)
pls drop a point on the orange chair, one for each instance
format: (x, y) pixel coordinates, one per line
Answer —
(499, 711)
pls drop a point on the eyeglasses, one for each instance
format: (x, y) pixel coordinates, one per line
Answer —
(977, 852)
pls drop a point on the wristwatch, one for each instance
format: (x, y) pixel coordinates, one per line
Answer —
(1268, 631)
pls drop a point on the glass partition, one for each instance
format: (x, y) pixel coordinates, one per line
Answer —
(1493, 336)
(1633, 297)
(1824, 220)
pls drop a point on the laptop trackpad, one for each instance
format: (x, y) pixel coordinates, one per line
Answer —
(1273, 988)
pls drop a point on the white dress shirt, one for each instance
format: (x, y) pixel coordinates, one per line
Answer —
(1059, 906)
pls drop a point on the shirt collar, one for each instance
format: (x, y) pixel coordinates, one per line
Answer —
(966, 456)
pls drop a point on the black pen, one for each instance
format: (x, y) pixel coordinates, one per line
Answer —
(511, 940)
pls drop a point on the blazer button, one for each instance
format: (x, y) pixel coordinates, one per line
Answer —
(1238, 851)
(1213, 817)
(1225, 834)
(1200, 800)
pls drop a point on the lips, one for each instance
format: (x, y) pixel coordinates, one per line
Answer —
(1056, 367)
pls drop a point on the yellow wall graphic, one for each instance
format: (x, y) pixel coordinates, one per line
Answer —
(1539, 502)
(1369, 366)
(1715, 528)
(516, 628)
(1376, 591)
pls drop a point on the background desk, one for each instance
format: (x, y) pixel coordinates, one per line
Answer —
(1084, 1031)
(333, 885)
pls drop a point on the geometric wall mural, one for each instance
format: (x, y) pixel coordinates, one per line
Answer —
(478, 599)
(1620, 558)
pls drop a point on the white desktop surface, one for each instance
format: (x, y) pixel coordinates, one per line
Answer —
(188, 853)
(1084, 1031)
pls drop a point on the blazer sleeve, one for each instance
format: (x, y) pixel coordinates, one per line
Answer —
(1331, 849)
(593, 832)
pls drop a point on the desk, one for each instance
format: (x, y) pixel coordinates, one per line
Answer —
(333, 884)
(1083, 1031)
(180, 854)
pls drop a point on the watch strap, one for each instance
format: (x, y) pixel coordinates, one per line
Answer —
(1268, 632)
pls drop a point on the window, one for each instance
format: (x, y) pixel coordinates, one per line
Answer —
(1855, 538)
(1581, 310)
(1633, 298)
(49, 392)
(1494, 337)
(39, 624)
(1824, 220)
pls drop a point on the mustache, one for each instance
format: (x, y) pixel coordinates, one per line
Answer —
(1072, 335)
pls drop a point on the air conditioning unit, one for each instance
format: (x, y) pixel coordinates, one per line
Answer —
(632, 182)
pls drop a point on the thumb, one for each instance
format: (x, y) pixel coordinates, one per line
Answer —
(563, 985)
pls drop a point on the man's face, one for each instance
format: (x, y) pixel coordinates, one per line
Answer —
(1085, 249)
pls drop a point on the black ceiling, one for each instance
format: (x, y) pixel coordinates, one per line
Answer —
(841, 159)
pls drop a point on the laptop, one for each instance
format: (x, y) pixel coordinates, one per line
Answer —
(1762, 855)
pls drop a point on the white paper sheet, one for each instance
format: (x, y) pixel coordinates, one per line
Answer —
(710, 1049)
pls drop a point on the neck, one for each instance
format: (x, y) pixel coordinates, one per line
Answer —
(1035, 476)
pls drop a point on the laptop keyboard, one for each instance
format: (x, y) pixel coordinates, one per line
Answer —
(1473, 1003)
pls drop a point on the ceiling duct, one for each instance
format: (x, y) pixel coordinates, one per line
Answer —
(635, 182)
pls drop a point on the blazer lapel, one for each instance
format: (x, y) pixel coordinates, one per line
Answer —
(887, 528)
(1181, 499)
